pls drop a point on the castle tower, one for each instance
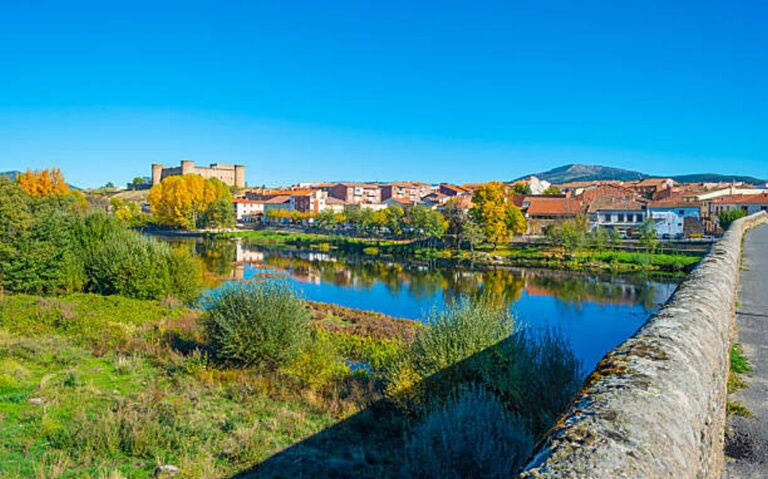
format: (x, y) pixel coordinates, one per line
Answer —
(157, 173)
(239, 176)
(187, 167)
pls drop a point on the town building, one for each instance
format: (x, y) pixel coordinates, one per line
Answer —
(749, 204)
(248, 211)
(675, 219)
(411, 191)
(625, 215)
(543, 212)
(357, 193)
(231, 175)
(650, 186)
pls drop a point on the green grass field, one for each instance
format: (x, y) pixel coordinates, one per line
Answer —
(97, 386)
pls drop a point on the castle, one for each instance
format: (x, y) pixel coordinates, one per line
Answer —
(232, 175)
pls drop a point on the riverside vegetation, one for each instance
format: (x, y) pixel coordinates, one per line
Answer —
(112, 366)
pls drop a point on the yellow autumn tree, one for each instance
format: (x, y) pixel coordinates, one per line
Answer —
(47, 182)
(496, 213)
(185, 201)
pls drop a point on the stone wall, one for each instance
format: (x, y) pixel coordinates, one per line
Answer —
(655, 406)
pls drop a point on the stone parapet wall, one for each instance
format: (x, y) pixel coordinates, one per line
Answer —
(655, 406)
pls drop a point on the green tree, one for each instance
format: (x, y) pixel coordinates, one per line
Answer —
(392, 218)
(648, 236)
(521, 188)
(727, 217)
(456, 218)
(552, 190)
(472, 233)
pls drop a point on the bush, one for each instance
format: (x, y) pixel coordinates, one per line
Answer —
(262, 324)
(463, 329)
(318, 363)
(131, 265)
(472, 435)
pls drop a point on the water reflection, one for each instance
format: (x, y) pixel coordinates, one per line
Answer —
(595, 312)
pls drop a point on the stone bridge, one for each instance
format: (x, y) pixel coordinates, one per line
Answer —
(655, 406)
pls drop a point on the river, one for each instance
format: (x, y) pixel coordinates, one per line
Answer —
(594, 312)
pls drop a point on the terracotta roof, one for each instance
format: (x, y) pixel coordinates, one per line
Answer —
(606, 191)
(653, 181)
(586, 184)
(758, 199)
(456, 188)
(616, 204)
(247, 202)
(553, 206)
(276, 200)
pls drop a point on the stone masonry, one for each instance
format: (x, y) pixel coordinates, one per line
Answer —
(655, 406)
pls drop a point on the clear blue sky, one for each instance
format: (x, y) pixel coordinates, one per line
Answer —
(455, 91)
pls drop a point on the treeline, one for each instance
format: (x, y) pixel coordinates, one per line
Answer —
(571, 235)
(52, 242)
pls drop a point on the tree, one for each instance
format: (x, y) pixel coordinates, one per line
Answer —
(48, 182)
(727, 217)
(552, 190)
(648, 237)
(598, 238)
(472, 233)
(186, 202)
(392, 218)
(109, 185)
(495, 211)
(456, 218)
(521, 188)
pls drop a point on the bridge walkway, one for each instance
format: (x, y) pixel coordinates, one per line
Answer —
(747, 438)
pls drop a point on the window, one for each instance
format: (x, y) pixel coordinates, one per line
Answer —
(607, 218)
(620, 218)
(680, 212)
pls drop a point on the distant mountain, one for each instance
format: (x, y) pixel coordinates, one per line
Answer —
(10, 174)
(715, 178)
(577, 172)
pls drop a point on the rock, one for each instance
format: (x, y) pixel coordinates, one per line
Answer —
(166, 470)
(39, 401)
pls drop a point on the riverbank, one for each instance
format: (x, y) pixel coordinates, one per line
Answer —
(542, 256)
(103, 386)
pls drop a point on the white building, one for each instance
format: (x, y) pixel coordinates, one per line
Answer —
(248, 211)
(675, 219)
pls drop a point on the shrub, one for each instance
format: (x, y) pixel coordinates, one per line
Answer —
(472, 435)
(318, 363)
(463, 329)
(727, 217)
(262, 324)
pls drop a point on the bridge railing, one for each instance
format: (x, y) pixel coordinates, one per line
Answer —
(655, 406)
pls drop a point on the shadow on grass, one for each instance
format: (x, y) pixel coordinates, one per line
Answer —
(370, 444)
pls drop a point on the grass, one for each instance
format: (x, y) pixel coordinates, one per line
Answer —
(93, 386)
(739, 363)
(737, 409)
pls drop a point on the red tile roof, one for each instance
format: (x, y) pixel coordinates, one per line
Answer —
(758, 199)
(553, 206)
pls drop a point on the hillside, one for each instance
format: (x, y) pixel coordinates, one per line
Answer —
(10, 174)
(579, 172)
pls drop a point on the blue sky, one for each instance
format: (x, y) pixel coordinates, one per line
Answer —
(454, 91)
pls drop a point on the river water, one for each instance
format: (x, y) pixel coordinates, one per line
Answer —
(594, 312)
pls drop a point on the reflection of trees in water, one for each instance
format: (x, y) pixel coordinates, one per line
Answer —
(217, 256)
(500, 286)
